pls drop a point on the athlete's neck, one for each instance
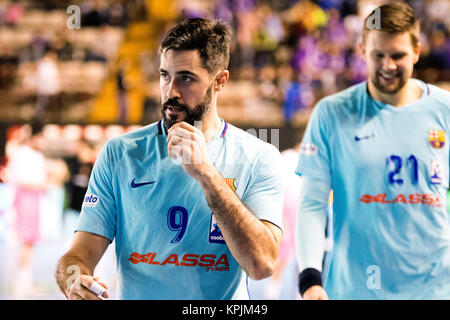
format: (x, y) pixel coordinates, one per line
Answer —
(210, 125)
(405, 96)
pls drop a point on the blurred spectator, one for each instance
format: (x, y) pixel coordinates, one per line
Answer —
(356, 71)
(63, 48)
(100, 12)
(53, 203)
(152, 105)
(9, 62)
(437, 10)
(39, 44)
(292, 99)
(122, 88)
(103, 47)
(27, 175)
(246, 26)
(267, 83)
(440, 48)
(80, 166)
(118, 15)
(14, 13)
(94, 13)
(47, 84)
(194, 9)
(268, 35)
(223, 10)
(306, 16)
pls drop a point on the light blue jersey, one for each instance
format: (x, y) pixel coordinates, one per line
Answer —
(168, 243)
(389, 170)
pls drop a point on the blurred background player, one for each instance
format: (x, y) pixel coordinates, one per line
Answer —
(47, 84)
(382, 146)
(80, 166)
(27, 173)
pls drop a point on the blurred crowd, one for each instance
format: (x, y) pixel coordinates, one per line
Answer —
(299, 51)
(286, 53)
(45, 66)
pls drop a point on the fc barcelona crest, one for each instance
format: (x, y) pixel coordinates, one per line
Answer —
(230, 183)
(436, 138)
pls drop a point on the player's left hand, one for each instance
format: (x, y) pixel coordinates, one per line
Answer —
(187, 144)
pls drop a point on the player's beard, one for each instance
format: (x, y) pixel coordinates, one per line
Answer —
(192, 114)
(400, 79)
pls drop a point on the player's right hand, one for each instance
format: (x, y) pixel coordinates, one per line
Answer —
(315, 293)
(79, 289)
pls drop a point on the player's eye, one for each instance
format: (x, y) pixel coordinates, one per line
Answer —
(164, 75)
(186, 79)
(398, 56)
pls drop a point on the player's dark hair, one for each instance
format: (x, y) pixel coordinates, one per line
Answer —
(210, 38)
(395, 18)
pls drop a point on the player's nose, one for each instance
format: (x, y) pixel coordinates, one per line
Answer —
(389, 64)
(172, 91)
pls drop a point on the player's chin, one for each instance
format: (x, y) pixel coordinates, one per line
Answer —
(176, 116)
(390, 86)
(172, 119)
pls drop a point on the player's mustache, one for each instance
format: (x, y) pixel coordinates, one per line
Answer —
(390, 73)
(174, 103)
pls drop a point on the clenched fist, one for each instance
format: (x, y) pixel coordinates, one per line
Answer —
(187, 144)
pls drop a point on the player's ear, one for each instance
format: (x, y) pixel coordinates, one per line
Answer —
(417, 49)
(362, 48)
(222, 79)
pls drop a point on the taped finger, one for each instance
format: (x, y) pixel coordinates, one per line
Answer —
(97, 289)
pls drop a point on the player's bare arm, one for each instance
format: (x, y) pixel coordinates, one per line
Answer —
(75, 269)
(254, 243)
